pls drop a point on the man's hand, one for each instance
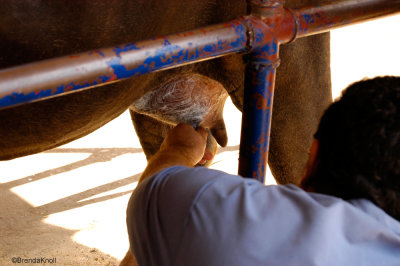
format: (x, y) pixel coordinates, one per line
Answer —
(186, 142)
(183, 145)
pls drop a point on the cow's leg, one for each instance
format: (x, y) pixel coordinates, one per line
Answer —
(303, 91)
(128, 260)
(150, 132)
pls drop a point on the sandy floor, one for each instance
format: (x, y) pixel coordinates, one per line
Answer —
(68, 204)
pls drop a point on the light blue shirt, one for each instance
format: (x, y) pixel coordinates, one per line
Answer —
(198, 216)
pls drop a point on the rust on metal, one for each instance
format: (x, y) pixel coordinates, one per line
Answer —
(71, 73)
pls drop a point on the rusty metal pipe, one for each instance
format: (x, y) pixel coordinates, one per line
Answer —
(284, 26)
(53, 77)
(61, 75)
(259, 90)
(314, 20)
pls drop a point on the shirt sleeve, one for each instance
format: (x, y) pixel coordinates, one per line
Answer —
(199, 216)
(158, 210)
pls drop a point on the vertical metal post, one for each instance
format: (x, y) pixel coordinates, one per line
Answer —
(259, 91)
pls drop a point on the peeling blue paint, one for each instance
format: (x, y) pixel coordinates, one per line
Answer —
(17, 97)
(97, 52)
(126, 48)
(308, 18)
(256, 121)
(240, 30)
(167, 55)
(100, 53)
(119, 70)
(166, 42)
(257, 107)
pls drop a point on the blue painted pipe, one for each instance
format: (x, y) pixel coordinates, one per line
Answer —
(41, 80)
(259, 91)
(256, 120)
(67, 74)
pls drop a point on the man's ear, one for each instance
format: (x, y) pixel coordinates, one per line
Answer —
(305, 181)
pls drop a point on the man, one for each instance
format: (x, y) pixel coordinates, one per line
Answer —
(346, 213)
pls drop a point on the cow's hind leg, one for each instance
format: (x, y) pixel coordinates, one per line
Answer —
(128, 260)
(303, 91)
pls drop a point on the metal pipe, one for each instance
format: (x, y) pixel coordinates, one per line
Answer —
(48, 78)
(61, 75)
(257, 114)
(259, 90)
(314, 20)
(285, 26)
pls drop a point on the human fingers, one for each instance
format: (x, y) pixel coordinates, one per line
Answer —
(203, 132)
(185, 135)
(185, 141)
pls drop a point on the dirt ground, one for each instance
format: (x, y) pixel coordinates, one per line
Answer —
(67, 206)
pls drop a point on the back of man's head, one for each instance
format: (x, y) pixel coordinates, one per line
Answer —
(359, 145)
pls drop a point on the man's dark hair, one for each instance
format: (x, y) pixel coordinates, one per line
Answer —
(359, 145)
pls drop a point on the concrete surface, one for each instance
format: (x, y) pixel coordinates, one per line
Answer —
(68, 204)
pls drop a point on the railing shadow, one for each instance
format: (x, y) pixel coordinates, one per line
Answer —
(20, 222)
(96, 155)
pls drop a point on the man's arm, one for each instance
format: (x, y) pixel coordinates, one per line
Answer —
(183, 145)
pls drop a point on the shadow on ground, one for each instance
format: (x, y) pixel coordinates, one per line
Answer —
(24, 233)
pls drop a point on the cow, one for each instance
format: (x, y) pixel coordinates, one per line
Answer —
(42, 29)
